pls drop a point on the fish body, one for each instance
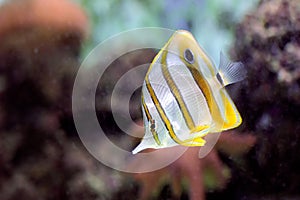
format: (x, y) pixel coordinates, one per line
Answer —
(183, 95)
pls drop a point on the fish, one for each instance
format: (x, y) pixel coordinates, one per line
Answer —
(184, 97)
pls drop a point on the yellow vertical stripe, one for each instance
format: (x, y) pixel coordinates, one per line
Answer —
(176, 93)
(161, 112)
(188, 142)
(145, 108)
(149, 117)
(211, 102)
(206, 61)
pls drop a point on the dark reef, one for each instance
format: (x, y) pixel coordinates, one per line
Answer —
(268, 42)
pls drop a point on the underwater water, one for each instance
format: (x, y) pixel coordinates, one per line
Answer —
(42, 152)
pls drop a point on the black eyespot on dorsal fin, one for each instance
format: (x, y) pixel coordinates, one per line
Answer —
(220, 79)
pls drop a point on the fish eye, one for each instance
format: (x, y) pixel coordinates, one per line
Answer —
(189, 56)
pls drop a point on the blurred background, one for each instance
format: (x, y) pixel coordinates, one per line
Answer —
(43, 43)
(205, 19)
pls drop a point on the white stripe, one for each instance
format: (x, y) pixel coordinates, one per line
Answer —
(192, 95)
(214, 85)
(168, 103)
(161, 129)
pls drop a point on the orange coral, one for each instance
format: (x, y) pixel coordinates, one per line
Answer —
(51, 14)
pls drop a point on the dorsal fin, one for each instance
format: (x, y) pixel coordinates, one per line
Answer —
(230, 72)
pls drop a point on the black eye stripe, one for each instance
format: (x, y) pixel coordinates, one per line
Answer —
(189, 56)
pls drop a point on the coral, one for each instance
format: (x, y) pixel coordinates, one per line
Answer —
(39, 53)
(41, 156)
(191, 168)
(18, 15)
(268, 42)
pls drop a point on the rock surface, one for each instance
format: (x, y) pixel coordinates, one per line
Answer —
(268, 42)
